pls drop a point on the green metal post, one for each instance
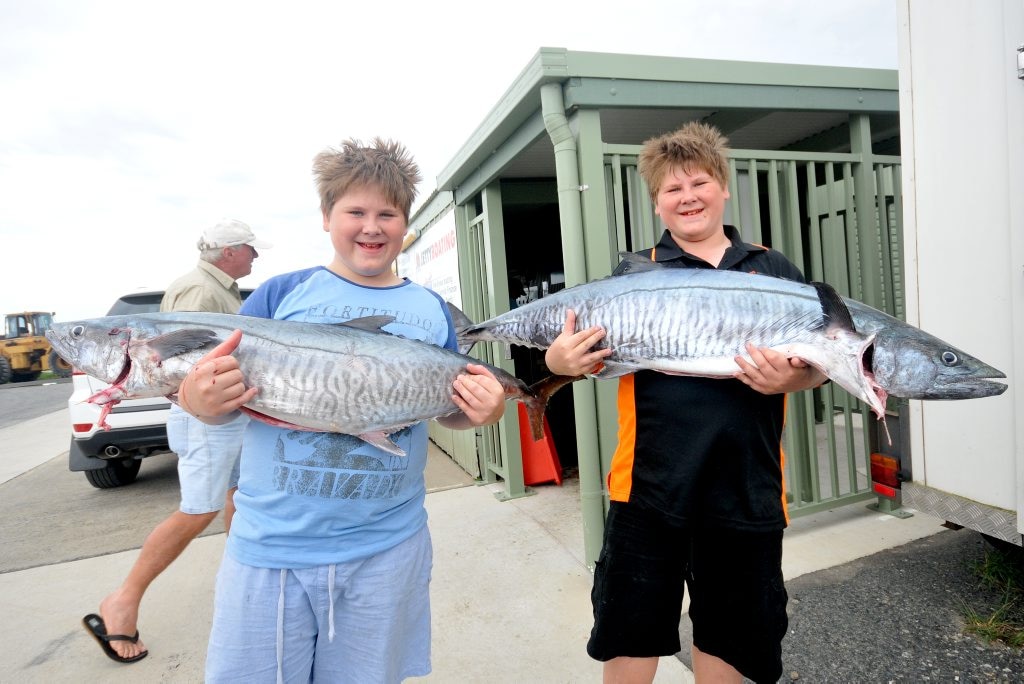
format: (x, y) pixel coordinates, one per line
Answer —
(602, 252)
(869, 242)
(496, 301)
(575, 263)
(864, 203)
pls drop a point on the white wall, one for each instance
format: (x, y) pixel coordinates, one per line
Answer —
(962, 128)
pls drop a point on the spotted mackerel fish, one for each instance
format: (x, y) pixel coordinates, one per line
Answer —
(696, 321)
(351, 377)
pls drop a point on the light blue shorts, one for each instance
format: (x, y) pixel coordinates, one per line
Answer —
(207, 459)
(364, 622)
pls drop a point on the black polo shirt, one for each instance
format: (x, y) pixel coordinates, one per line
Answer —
(701, 449)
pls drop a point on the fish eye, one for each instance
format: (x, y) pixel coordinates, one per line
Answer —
(77, 331)
(950, 358)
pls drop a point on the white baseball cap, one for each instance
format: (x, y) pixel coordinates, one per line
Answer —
(229, 233)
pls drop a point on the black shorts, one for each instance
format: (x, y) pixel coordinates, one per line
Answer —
(737, 596)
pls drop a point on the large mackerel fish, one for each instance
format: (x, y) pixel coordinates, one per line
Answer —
(696, 321)
(350, 377)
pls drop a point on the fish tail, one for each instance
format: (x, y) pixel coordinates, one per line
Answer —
(463, 340)
(463, 324)
(469, 334)
(536, 400)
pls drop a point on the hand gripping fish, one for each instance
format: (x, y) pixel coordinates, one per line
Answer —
(351, 377)
(696, 321)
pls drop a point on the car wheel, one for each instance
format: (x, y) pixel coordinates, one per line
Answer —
(60, 367)
(117, 473)
(5, 370)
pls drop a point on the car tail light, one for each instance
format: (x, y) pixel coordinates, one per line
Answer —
(885, 474)
(81, 427)
(75, 371)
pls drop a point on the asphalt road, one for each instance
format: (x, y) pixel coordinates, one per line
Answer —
(896, 616)
(25, 400)
(52, 515)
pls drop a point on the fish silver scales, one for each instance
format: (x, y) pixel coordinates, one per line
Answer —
(350, 378)
(695, 321)
(348, 385)
(686, 321)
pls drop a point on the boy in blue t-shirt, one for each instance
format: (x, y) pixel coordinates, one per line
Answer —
(326, 571)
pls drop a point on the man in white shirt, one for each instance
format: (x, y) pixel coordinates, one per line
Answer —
(207, 454)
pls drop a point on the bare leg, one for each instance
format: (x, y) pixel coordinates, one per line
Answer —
(120, 609)
(229, 509)
(709, 669)
(624, 670)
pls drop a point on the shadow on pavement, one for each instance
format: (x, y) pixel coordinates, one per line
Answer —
(51, 515)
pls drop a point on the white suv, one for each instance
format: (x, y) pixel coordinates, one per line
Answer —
(138, 427)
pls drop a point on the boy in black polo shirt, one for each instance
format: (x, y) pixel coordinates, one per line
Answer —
(696, 482)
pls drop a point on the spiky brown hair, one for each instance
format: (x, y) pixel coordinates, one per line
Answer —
(384, 164)
(695, 146)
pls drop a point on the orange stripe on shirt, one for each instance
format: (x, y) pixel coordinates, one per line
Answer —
(782, 462)
(620, 476)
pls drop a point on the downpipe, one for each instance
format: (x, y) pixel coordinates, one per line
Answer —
(570, 214)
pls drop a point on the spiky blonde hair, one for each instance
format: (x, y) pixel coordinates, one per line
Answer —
(695, 146)
(384, 164)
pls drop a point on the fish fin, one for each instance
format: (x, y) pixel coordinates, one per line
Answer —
(371, 323)
(181, 342)
(101, 422)
(635, 263)
(614, 369)
(536, 400)
(108, 395)
(833, 308)
(380, 440)
(276, 422)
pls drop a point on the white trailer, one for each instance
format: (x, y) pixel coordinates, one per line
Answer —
(961, 72)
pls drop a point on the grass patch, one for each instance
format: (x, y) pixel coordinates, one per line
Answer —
(1001, 571)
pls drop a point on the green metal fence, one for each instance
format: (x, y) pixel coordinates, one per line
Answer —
(805, 205)
(485, 294)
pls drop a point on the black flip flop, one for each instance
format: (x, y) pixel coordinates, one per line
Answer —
(94, 625)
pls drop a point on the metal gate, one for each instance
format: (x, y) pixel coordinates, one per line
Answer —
(484, 286)
(804, 205)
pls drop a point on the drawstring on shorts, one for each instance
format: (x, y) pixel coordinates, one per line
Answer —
(330, 598)
(280, 629)
(331, 572)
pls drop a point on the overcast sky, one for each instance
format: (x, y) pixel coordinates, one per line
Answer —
(127, 127)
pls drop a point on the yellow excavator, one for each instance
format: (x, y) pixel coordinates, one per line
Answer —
(24, 352)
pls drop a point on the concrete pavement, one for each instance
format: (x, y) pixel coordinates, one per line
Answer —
(510, 588)
(33, 442)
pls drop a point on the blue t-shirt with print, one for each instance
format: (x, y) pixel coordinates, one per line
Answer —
(315, 498)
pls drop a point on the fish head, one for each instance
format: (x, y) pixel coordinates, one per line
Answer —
(913, 364)
(98, 347)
